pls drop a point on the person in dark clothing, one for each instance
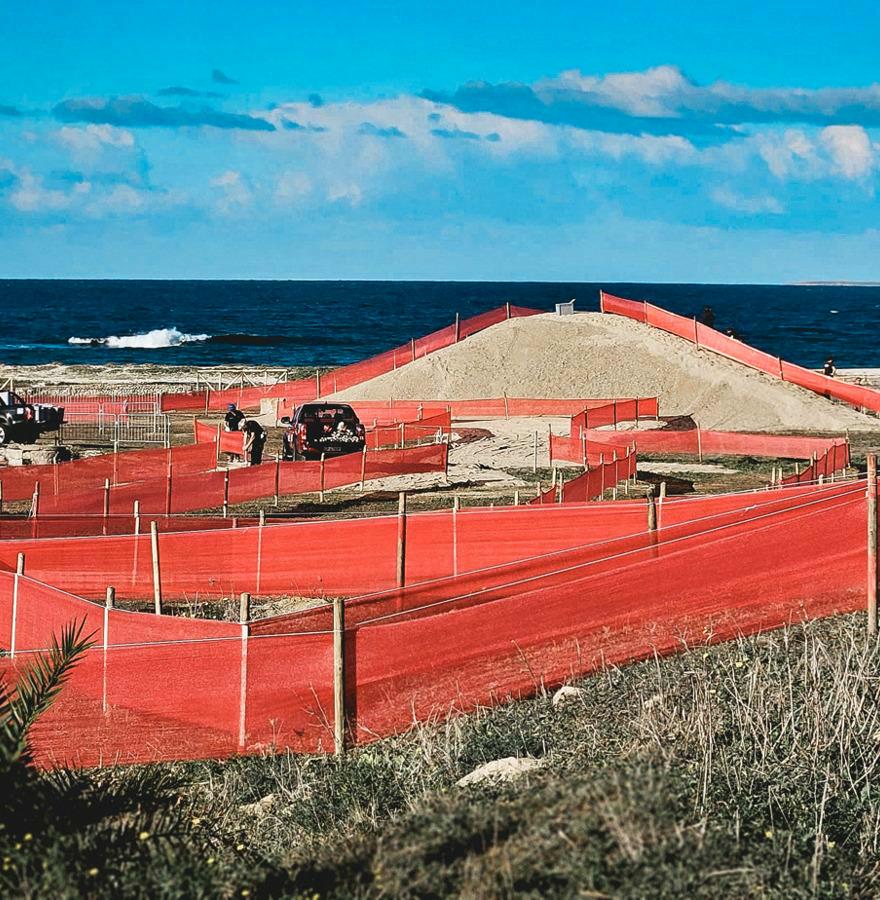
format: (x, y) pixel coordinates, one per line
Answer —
(254, 441)
(234, 418)
(707, 316)
(829, 368)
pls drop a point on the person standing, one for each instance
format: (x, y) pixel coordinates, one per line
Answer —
(234, 418)
(232, 422)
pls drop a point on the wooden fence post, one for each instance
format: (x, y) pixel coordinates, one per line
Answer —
(226, 494)
(652, 510)
(157, 571)
(363, 467)
(109, 603)
(457, 327)
(106, 506)
(244, 616)
(455, 506)
(401, 539)
(535, 454)
(872, 544)
(338, 676)
(277, 477)
(19, 572)
(699, 444)
(321, 490)
(168, 486)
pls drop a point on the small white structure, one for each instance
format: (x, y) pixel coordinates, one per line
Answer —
(565, 309)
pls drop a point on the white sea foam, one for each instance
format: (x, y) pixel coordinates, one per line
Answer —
(150, 340)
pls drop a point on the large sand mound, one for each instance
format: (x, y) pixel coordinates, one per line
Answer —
(596, 355)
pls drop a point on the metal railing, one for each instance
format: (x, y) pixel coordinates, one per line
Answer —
(100, 428)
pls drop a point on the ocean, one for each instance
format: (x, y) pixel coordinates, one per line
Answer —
(305, 323)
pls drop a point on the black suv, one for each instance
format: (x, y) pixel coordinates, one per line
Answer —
(329, 428)
(24, 422)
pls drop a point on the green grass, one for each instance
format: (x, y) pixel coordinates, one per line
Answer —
(745, 769)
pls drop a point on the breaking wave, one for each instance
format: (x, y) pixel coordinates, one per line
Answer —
(151, 340)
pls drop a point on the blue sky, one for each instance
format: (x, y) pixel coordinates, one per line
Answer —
(572, 141)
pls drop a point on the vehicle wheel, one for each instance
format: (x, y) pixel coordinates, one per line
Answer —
(4, 433)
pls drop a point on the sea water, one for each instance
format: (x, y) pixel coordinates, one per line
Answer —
(293, 323)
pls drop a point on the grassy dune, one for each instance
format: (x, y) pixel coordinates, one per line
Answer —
(746, 769)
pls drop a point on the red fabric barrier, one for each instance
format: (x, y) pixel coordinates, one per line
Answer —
(855, 395)
(396, 411)
(91, 472)
(208, 490)
(229, 441)
(207, 688)
(346, 376)
(691, 442)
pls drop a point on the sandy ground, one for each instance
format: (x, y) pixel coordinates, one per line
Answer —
(595, 355)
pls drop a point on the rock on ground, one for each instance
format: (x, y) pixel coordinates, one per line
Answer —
(508, 769)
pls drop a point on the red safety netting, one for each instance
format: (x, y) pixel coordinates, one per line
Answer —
(826, 465)
(703, 336)
(174, 494)
(18, 528)
(573, 447)
(619, 465)
(226, 441)
(346, 376)
(314, 558)
(396, 411)
(167, 687)
(593, 444)
(90, 473)
(429, 428)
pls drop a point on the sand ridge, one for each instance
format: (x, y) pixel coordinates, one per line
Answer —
(598, 355)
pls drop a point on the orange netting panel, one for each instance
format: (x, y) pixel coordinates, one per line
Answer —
(346, 376)
(169, 687)
(91, 473)
(704, 336)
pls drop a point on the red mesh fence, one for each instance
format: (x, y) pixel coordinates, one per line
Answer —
(425, 429)
(18, 528)
(226, 441)
(694, 441)
(346, 376)
(91, 472)
(167, 687)
(703, 336)
(175, 494)
(833, 460)
(396, 411)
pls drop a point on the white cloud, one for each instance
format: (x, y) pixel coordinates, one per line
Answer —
(850, 149)
(30, 195)
(292, 188)
(752, 206)
(653, 92)
(234, 191)
(92, 138)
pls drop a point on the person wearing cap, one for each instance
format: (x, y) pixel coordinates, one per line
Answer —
(234, 418)
(829, 368)
(233, 422)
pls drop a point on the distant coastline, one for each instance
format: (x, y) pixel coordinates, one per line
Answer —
(836, 284)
